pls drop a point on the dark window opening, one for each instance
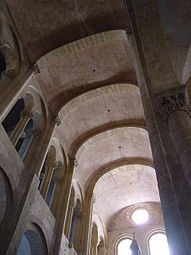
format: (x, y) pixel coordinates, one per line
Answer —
(13, 117)
(2, 65)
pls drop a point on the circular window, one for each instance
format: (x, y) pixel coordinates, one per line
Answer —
(140, 216)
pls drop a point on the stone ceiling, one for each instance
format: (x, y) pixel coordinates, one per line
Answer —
(46, 25)
(122, 187)
(92, 85)
(98, 110)
(87, 76)
(87, 64)
(110, 146)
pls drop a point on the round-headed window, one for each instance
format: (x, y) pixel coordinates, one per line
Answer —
(30, 244)
(158, 244)
(140, 216)
(123, 247)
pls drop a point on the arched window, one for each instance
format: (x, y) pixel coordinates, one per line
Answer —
(48, 167)
(158, 244)
(75, 216)
(31, 244)
(13, 117)
(19, 124)
(123, 247)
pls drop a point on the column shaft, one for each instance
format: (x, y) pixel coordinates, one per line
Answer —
(170, 207)
(69, 216)
(180, 126)
(63, 207)
(19, 128)
(59, 176)
(47, 135)
(86, 225)
(46, 180)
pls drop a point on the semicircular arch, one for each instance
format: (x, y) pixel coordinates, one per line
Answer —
(33, 241)
(127, 185)
(110, 146)
(114, 105)
(64, 76)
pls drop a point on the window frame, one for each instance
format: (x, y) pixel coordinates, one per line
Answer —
(119, 239)
(152, 233)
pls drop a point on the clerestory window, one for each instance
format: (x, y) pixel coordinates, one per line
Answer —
(123, 247)
(158, 244)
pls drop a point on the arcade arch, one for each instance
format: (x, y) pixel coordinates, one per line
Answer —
(31, 244)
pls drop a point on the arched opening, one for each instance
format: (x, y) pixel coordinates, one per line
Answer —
(47, 168)
(158, 244)
(2, 65)
(30, 244)
(13, 117)
(75, 216)
(123, 247)
(19, 124)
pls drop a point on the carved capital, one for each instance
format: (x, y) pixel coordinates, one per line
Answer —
(172, 100)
